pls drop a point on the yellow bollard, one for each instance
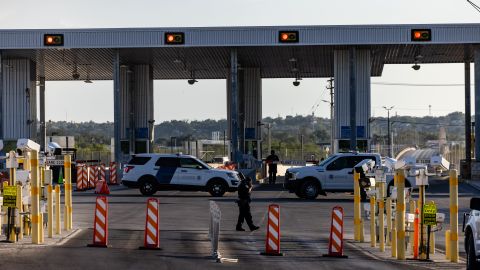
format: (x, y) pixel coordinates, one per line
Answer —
(453, 216)
(432, 242)
(389, 222)
(26, 221)
(356, 206)
(447, 245)
(373, 231)
(68, 191)
(400, 219)
(58, 229)
(381, 216)
(394, 242)
(412, 234)
(50, 211)
(35, 193)
(42, 234)
(19, 221)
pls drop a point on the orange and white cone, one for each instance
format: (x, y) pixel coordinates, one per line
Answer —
(152, 239)
(272, 243)
(100, 227)
(335, 243)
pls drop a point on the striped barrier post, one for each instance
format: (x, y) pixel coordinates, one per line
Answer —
(453, 216)
(113, 173)
(96, 174)
(82, 177)
(335, 243)
(272, 243)
(91, 177)
(100, 226)
(152, 239)
(102, 173)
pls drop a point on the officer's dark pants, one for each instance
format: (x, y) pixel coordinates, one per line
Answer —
(272, 176)
(244, 214)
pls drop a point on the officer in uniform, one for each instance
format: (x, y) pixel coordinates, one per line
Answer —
(244, 190)
(272, 161)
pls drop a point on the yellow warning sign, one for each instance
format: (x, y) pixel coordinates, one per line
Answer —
(10, 196)
(430, 214)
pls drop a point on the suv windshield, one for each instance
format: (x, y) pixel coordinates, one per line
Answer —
(326, 161)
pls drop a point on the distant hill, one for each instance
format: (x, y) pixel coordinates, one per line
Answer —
(288, 130)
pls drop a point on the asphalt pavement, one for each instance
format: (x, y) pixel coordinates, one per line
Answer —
(184, 223)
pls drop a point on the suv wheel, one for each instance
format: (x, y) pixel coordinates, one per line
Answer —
(147, 186)
(471, 258)
(217, 188)
(310, 190)
(299, 193)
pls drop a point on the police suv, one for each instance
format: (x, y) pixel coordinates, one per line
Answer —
(471, 227)
(153, 172)
(335, 174)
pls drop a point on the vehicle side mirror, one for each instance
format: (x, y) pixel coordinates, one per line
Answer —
(475, 204)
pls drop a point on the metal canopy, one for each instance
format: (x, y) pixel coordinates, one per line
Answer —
(206, 52)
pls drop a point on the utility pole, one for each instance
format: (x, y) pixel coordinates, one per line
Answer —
(388, 130)
(332, 128)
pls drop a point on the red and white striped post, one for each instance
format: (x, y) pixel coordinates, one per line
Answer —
(335, 243)
(113, 173)
(102, 174)
(100, 227)
(91, 177)
(152, 239)
(272, 243)
(82, 183)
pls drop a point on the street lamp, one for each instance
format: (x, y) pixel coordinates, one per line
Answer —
(388, 130)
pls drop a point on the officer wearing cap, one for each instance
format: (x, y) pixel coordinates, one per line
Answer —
(244, 190)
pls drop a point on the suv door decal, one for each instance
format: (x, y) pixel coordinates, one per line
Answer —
(167, 167)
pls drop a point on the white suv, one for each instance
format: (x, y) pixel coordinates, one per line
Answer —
(471, 227)
(335, 174)
(153, 172)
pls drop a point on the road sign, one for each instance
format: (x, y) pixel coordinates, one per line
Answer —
(429, 214)
(10, 196)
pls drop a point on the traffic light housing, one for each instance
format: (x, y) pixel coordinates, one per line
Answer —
(421, 35)
(177, 38)
(53, 39)
(288, 37)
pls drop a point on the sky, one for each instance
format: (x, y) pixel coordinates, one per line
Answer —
(207, 98)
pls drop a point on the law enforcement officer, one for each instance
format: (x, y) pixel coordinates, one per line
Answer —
(244, 190)
(272, 161)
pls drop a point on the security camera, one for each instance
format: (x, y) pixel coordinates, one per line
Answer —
(296, 83)
(75, 75)
(192, 81)
(26, 144)
(416, 67)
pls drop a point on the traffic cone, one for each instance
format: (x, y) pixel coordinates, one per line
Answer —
(102, 188)
(272, 243)
(60, 176)
(335, 243)
(152, 239)
(100, 226)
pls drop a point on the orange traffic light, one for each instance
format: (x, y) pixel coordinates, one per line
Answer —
(288, 37)
(421, 35)
(53, 40)
(174, 38)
